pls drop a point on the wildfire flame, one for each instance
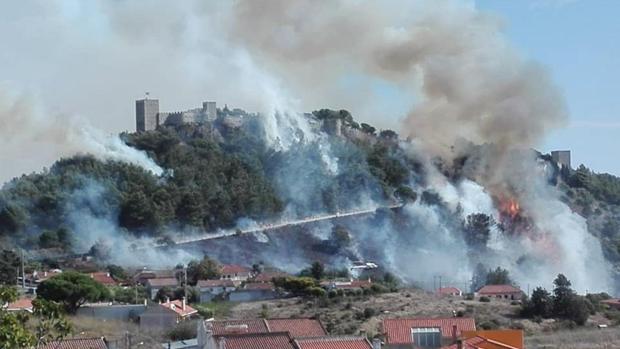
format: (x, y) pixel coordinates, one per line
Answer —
(510, 207)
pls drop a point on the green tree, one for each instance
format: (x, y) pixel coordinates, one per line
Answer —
(205, 269)
(317, 270)
(540, 304)
(478, 229)
(479, 277)
(9, 263)
(498, 276)
(47, 319)
(72, 289)
(563, 295)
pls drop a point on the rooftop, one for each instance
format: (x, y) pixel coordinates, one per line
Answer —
(498, 289)
(303, 327)
(178, 307)
(77, 343)
(234, 269)
(259, 341)
(215, 283)
(333, 342)
(297, 327)
(398, 331)
(162, 282)
(449, 290)
(103, 278)
(20, 304)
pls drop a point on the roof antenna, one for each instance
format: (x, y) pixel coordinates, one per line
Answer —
(147, 95)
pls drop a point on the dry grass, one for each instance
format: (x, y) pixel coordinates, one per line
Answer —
(584, 338)
(345, 315)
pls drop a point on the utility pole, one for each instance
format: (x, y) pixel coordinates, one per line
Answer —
(23, 272)
(185, 283)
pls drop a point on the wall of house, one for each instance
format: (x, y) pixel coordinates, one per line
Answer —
(113, 312)
(251, 295)
(156, 317)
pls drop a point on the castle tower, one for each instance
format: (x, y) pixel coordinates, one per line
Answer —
(210, 110)
(147, 114)
(561, 157)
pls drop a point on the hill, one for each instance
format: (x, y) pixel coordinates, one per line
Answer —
(475, 206)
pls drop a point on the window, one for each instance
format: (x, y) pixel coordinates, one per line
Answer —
(426, 336)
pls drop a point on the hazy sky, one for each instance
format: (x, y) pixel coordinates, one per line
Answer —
(93, 59)
(579, 42)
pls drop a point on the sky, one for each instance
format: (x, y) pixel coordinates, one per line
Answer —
(91, 60)
(578, 42)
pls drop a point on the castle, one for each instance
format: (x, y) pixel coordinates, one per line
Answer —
(148, 116)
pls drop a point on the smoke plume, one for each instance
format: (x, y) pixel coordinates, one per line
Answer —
(26, 131)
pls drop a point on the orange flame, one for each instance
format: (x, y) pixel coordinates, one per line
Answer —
(511, 208)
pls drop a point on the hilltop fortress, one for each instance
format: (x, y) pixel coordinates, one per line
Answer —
(148, 116)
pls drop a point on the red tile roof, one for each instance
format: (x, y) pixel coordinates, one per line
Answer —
(398, 331)
(471, 343)
(498, 289)
(612, 302)
(448, 291)
(479, 342)
(329, 342)
(162, 282)
(224, 327)
(77, 343)
(297, 327)
(268, 276)
(177, 307)
(215, 283)
(259, 286)
(234, 269)
(259, 341)
(20, 304)
(103, 278)
(303, 327)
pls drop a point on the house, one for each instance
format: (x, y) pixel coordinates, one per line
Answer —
(254, 291)
(210, 289)
(424, 332)
(214, 332)
(276, 340)
(38, 277)
(491, 339)
(77, 343)
(236, 273)
(333, 342)
(142, 276)
(501, 291)
(268, 276)
(103, 278)
(22, 304)
(166, 315)
(612, 303)
(154, 285)
(449, 291)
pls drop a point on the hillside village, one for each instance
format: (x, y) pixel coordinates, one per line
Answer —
(208, 305)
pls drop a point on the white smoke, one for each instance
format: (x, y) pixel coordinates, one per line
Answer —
(26, 128)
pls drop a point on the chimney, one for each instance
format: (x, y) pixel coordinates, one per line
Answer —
(459, 344)
(454, 336)
(183, 302)
(167, 299)
(376, 343)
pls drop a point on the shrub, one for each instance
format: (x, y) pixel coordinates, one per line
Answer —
(182, 331)
(369, 312)
(484, 299)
